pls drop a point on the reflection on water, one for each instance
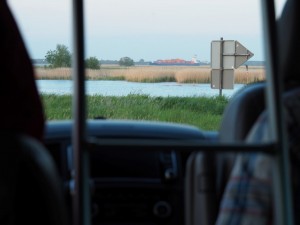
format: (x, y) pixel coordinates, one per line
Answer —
(123, 88)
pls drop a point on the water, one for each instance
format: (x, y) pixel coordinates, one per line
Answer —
(123, 88)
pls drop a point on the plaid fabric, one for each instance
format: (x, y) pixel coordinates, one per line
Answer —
(248, 196)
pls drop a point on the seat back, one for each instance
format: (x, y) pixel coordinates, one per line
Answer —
(242, 112)
(206, 173)
(21, 108)
(250, 195)
(30, 187)
(31, 190)
(238, 118)
(250, 187)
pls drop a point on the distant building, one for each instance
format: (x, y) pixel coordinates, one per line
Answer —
(177, 62)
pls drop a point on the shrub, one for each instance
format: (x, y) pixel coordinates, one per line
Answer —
(92, 63)
(126, 61)
(60, 57)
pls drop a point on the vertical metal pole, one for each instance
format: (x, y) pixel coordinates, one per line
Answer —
(221, 65)
(81, 198)
(283, 190)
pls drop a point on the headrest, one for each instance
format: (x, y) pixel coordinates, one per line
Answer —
(288, 43)
(21, 108)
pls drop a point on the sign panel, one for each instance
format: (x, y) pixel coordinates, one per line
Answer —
(215, 55)
(228, 79)
(228, 54)
(242, 54)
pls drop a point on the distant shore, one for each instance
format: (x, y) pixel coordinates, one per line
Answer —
(152, 74)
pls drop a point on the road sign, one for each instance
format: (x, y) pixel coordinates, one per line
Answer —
(227, 79)
(226, 55)
(216, 49)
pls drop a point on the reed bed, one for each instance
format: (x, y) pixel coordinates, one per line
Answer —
(242, 76)
(152, 74)
(193, 75)
(106, 74)
(53, 74)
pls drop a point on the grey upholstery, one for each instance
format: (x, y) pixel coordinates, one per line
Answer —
(241, 113)
(238, 118)
(207, 174)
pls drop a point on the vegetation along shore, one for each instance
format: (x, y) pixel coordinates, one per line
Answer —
(180, 74)
(202, 112)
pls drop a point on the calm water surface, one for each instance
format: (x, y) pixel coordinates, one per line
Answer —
(123, 88)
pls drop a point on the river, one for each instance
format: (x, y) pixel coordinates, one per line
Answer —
(123, 88)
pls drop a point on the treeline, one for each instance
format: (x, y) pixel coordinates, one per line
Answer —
(62, 57)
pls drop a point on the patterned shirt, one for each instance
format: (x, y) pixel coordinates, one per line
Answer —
(248, 198)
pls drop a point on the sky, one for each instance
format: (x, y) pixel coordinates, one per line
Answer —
(142, 29)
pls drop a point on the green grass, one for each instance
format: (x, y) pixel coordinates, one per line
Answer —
(156, 79)
(112, 78)
(203, 112)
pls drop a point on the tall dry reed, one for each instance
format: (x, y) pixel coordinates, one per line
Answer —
(193, 75)
(54, 74)
(154, 74)
(150, 74)
(242, 76)
(106, 74)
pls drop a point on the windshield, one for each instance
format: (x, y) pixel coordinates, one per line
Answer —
(145, 60)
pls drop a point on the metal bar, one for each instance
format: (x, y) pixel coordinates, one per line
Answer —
(221, 66)
(178, 145)
(81, 198)
(235, 54)
(283, 195)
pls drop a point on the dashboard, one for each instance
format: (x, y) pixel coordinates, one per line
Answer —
(130, 184)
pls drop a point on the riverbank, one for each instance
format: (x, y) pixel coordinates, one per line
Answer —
(203, 112)
(124, 88)
(152, 74)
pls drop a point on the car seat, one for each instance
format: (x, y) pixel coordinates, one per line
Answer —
(207, 173)
(31, 190)
(21, 107)
(250, 195)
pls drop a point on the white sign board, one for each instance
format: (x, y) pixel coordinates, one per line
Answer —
(227, 79)
(215, 54)
(242, 54)
(228, 54)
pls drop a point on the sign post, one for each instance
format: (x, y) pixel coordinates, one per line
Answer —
(226, 55)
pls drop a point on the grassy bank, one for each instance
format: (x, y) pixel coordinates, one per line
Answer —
(203, 112)
(180, 74)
